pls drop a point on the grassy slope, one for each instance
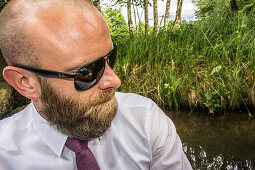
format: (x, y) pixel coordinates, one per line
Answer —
(207, 64)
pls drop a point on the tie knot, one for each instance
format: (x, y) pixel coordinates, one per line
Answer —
(76, 145)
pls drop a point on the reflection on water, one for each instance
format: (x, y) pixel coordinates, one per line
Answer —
(199, 160)
(226, 142)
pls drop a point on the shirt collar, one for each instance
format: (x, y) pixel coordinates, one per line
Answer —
(55, 139)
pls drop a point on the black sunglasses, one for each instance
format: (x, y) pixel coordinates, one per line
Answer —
(86, 76)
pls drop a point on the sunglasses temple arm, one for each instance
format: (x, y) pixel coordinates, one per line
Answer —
(47, 73)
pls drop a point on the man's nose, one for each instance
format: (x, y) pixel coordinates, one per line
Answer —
(109, 79)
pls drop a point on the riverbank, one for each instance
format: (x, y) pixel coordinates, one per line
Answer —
(205, 65)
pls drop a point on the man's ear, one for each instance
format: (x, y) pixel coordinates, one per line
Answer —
(22, 80)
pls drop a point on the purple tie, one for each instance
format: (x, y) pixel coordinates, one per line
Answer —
(85, 159)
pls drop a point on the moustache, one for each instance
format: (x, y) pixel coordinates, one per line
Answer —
(105, 97)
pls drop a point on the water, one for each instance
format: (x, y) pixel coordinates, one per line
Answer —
(221, 142)
(201, 159)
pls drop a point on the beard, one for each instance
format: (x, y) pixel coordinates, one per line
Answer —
(77, 119)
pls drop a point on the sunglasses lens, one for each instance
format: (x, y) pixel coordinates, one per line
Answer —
(112, 57)
(89, 75)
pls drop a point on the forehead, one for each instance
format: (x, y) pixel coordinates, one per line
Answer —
(68, 36)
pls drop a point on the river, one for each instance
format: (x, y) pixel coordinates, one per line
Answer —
(220, 142)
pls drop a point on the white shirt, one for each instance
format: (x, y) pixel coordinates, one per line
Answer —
(141, 136)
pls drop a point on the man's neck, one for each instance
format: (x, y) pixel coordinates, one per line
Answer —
(38, 106)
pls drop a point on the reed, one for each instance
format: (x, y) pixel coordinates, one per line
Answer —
(207, 64)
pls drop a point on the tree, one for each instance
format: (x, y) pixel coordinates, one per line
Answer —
(136, 4)
(130, 23)
(155, 13)
(205, 8)
(146, 14)
(167, 14)
(177, 20)
(97, 4)
(117, 24)
(141, 28)
(134, 11)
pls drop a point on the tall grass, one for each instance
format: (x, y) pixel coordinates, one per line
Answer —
(207, 64)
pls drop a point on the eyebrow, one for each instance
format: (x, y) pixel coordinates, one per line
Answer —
(77, 66)
(73, 69)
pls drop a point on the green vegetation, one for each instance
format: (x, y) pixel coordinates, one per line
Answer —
(5, 97)
(207, 8)
(2, 3)
(10, 100)
(207, 64)
(116, 22)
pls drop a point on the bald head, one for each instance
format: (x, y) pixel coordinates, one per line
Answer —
(29, 28)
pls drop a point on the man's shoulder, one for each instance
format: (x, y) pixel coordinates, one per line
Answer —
(136, 109)
(16, 116)
(142, 110)
(132, 100)
(16, 122)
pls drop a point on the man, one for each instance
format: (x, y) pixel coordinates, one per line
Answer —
(60, 55)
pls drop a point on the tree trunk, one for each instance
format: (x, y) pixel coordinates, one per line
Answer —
(130, 23)
(139, 20)
(155, 12)
(177, 20)
(167, 14)
(233, 5)
(134, 15)
(97, 4)
(146, 13)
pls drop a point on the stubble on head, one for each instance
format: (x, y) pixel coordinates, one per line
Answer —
(77, 118)
(35, 25)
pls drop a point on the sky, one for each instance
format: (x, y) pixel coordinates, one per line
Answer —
(188, 9)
